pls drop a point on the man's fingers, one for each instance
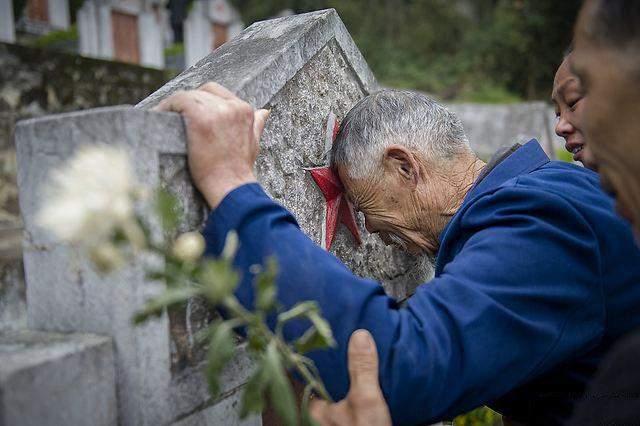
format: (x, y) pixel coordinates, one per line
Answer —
(218, 90)
(363, 364)
(177, 102)
(318, 408)
(259, 119)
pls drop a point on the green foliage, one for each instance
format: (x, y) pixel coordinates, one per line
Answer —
(467, 50)
(564, 155)
(168, 210)
(222, 347)
(170, 298)
(482, 416)
(55, 38)
(218, 279)
(280, 391)
(214, 280)
(265, 290)
(174, 50)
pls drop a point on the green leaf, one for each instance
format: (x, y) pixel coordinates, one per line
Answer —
(154, 276)
(305, 415)
(168, 209)
(256, 339)
(311, 340)
(169, 298)
(280, 390)
(230, 246)
(323, 328)
(222, 347)
(299, 310)
(265, 284)
(253, 397)
(218, 279)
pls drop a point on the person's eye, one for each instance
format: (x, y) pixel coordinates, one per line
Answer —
(572, 104)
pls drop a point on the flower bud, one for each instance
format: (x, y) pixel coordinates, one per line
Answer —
(106, 257)
(230, 245)
(189, 246)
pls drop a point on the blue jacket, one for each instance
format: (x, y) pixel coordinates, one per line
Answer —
(535, 278)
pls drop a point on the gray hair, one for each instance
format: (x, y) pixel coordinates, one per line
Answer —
(401, 117)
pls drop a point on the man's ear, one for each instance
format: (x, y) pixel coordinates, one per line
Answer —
(399, 159)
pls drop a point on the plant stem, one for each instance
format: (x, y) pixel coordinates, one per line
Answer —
(232, 304)
(303, 370)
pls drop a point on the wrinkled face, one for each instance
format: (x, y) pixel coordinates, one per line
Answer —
(567, 98)
(610, 79)
(403, 215)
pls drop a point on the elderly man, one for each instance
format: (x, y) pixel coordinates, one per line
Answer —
(535, 275)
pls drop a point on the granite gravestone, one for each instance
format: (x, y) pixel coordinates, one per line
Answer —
(303, 68)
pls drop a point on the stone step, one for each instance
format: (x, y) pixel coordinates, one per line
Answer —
(56, 379)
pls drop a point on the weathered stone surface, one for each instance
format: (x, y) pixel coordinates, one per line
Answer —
(65, 294)
(34, 82)
(490, 127)
(264, 57)
(224, 412)
(56, 379)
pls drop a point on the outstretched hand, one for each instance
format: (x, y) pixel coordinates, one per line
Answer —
(364, 404)
(223, 135)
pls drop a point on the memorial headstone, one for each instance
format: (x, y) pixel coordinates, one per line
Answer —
(209, 25)
(56, 379)
(7, 27)
(304, 68)
(43, 16)
(491, 127)
(125, 30)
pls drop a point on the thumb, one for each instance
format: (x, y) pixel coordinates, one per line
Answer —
(259, 119)
(363, 363)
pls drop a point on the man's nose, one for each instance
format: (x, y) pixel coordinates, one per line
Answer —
(563, 127)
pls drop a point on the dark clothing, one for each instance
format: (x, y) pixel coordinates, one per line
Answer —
(535, 278)
(613, 396)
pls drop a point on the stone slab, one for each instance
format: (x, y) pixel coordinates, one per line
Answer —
(224, 412)
(65, 294)
(264, 57)
(56, 379)
(490, 127)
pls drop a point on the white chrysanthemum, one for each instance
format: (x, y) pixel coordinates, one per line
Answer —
(90, 196)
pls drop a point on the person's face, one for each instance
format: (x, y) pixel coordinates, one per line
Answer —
(567, 98)
(611, 115)
(403, 211)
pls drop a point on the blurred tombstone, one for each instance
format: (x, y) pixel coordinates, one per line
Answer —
(7, 28)
(42, 16)
(209, 25)
(491, 127)
(124, 30)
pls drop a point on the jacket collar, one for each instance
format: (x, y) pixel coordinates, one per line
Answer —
(522, 161)
(525, 159)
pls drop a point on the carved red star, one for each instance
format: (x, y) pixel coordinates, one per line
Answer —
(339, 209)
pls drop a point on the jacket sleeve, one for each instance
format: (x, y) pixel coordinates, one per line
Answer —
(522, 294)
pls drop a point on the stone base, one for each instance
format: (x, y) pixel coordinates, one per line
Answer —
(56, 379)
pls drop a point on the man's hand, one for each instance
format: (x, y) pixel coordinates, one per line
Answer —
(223, 135)
(364, 404)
